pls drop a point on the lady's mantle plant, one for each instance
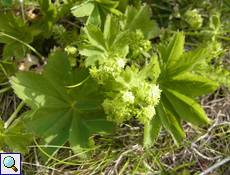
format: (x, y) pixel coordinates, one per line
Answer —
(159, 93)
(60, 114)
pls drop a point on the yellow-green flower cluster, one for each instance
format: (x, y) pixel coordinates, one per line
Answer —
(138, 44)
(140, 102)
(72, 54)
(109, 68)
(148, 93)
(120, 108)
(194, 19)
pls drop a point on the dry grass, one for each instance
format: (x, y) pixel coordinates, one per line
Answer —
(205, 149)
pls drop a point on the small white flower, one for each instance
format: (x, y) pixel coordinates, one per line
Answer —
(121, 63)
(128, 97)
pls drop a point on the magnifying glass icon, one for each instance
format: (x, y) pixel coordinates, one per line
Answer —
(9, 162)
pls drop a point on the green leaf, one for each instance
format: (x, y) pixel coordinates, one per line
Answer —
(97, 10)
(17, 49)
(151, 130)
(7, 2)
(130, 77)
(157, 70)
(140, 19)
(127, 79)
(215, 22)
(84, 9)
(170, 55)
(111, 30)
(214, 27)
(185, 62)
(170, 119)
(60, 114)
(95, 36)
(17, 28)
(174, 49)
(146, 71)
(49, 15)
(64, 9)
(110, 42)
(226, 3)
(135, 3)
(179, 87)
(15, 137)
(191, 85)
(187, 108)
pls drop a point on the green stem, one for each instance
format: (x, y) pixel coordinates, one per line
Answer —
(12, 117)
(4, 71)
(137, 65)
(138, 164)
(192, 44)
(223, 37)
(192, 33)
(188, 33)
(5, 83)
(22, 10)
(24, 44)
(5, 62)
(68, 163)
(223, 31)
(5, 89)
(65, 20)
(78, 83)
(199, 34)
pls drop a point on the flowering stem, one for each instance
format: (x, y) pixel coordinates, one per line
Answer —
(78, 83)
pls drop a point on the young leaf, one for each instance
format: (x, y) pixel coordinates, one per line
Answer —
(111, 41)
(131, 77)
(97, 10)
(60, 114)
(95, 36)
(15, 137)
(140, 19)
(214, 27)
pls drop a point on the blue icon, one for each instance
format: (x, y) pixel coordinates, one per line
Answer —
(9, 162)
